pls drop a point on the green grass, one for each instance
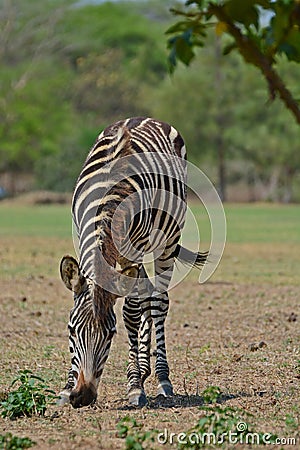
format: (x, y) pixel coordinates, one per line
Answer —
(255, 223)
(37, 221)
(263, 223)
(246, 223)
(263, 240)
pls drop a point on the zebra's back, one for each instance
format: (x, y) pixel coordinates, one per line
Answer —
(136, 167)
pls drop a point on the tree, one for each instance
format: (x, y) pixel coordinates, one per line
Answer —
(30, 109)
(69, 69)
(260, 30)
(259, 44)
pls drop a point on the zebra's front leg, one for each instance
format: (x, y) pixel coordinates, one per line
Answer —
(160, 307)
(132, 320)
(145, 339)
(64, 395)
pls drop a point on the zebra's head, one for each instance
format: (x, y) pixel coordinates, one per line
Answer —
(92, 326)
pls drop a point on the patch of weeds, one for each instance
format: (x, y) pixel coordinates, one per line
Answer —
(218, 426)
(204, 349)
(30, 398)
(191, 375)
(222, 426)
(48, 350)
(10, 442)
(211, 394)
(135, 437)
(292, 422)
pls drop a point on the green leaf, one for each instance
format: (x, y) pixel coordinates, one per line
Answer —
(243, 12)
(178, 27)
(280, 22)
(292, 43)
(184, 50)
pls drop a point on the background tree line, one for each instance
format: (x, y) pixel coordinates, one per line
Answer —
(68, 69)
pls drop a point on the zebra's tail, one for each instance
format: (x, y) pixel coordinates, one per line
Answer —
(190, 258)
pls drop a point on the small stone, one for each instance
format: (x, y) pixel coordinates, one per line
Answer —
(237, 357)
(292, 317)
(262, 344)
(256, 346)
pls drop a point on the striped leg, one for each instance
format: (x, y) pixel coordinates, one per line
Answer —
(132, 320)
(145, 292)
(160, 307)
(145, 339)
(136, 319)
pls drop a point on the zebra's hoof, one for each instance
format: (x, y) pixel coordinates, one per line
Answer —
(64, 397)
(165, 388)
(137, 398)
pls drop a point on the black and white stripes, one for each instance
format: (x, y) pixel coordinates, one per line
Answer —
(129, 200)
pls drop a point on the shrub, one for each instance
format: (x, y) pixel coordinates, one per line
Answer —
(30, 398)
(10, 442)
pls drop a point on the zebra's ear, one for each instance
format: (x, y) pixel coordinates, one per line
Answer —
(70, 274)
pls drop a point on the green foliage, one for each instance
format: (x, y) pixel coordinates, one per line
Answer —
(220, 425)
(30, 398)
(11, 442)
(260, 44)
(132, 432)
(211, 394)
(281, 34)
(67, 69)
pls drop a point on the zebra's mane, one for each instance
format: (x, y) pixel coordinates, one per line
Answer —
(103, 300)
(106, 253)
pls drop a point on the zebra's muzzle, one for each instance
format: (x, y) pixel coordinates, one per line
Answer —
(85, 396)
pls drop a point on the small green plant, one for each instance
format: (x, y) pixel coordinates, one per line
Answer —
(291, 422)
(222, 426)
(31, 396)
(135, 437)
(48, 350)
(10, 442)
(204, 349)
(211, 394)
(219, 424)
(214, 422)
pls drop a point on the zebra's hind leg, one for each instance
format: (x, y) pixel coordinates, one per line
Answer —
(160, 307)
(159, 310)
(132, 320)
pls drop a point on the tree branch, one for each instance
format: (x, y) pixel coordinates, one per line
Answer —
(252, 54)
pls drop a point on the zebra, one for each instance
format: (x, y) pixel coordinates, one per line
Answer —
(129, 200)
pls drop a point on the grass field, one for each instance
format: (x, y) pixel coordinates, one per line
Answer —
(213, 330)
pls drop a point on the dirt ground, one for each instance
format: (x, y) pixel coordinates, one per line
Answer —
(240, 336)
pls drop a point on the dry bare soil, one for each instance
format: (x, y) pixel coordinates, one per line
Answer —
(239, 331)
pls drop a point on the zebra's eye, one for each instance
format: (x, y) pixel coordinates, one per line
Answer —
(99, 373)
(72, 331)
